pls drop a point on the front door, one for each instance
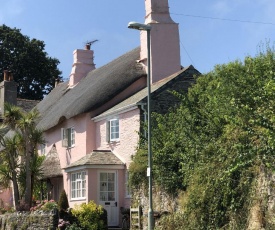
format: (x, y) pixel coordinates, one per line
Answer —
(108, 195)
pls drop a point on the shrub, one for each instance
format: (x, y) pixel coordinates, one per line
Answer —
(63, 204)
(74, 227)
(63, 224)
(174, 221)
(45, 206)
(90, 216)
(49, 205)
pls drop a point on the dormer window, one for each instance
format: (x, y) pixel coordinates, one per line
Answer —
(68, 137)
(112, 130)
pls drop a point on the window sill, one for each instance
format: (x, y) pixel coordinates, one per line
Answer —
(78, 199)
(68, 147)
(114, 141)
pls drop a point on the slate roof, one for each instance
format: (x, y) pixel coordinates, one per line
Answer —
(51, 165)
(141, 96)
(98, 87)
(97, 157)
(26, 105)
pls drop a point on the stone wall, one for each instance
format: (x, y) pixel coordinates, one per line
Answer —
(38, 220)
(162, 204)
(261, 210)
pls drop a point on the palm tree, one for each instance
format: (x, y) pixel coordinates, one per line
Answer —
(28, 138)
(10, 164)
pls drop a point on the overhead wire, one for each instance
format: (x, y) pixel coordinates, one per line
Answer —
(221, 19)
(225, 19)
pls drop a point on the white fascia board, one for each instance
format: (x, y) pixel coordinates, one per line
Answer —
(83, 167)
(115, 112)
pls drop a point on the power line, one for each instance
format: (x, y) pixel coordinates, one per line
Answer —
(187, 54)
(226, 19)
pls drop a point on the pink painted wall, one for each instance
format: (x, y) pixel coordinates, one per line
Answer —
(91, 135)
(129, 124)
(84, 142)
(84, 139)
(92, 189)
(6, 198)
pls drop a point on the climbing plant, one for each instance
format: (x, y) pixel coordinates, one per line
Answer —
(210, 149)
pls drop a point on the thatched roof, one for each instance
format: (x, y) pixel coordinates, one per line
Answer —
(98, 87)
(186, 74)
(51, 165)
(97, 157)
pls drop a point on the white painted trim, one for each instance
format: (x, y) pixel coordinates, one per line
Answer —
(116, 190)
(106, 167)
(124, 109)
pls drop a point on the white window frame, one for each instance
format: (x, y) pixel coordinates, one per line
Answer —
(112, 130)
(78, 185)
(68, 137)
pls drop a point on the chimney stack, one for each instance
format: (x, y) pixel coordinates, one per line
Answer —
(165, 42)
(83, 64)
(8, 91)
(8, 75)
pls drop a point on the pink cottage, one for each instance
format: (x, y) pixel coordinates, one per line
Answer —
(91, 123)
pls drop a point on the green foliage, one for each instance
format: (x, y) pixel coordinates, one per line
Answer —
(20, 162)
(63, 204)
(138, 168)
(212, 146)
(49, 205)
(33, 69)
(46, 205)
(74, 227)
(174, 221)
(90, 216)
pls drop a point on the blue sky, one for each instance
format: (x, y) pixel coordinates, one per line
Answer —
(66, 25)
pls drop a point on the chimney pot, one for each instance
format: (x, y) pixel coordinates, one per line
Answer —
(10, 76)
(6, 75)
(87, 47)
(57, 81)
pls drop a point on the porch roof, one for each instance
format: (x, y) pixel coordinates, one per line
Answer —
(51, 165)
(97, 157)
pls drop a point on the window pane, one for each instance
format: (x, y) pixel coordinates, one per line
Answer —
(72, 137)
(111, 187)
(111, 177)
(114, 129)
(103, 176)
(103, 186)
(111, 196)
(78, 185)
(103, 196)
(78, 175)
